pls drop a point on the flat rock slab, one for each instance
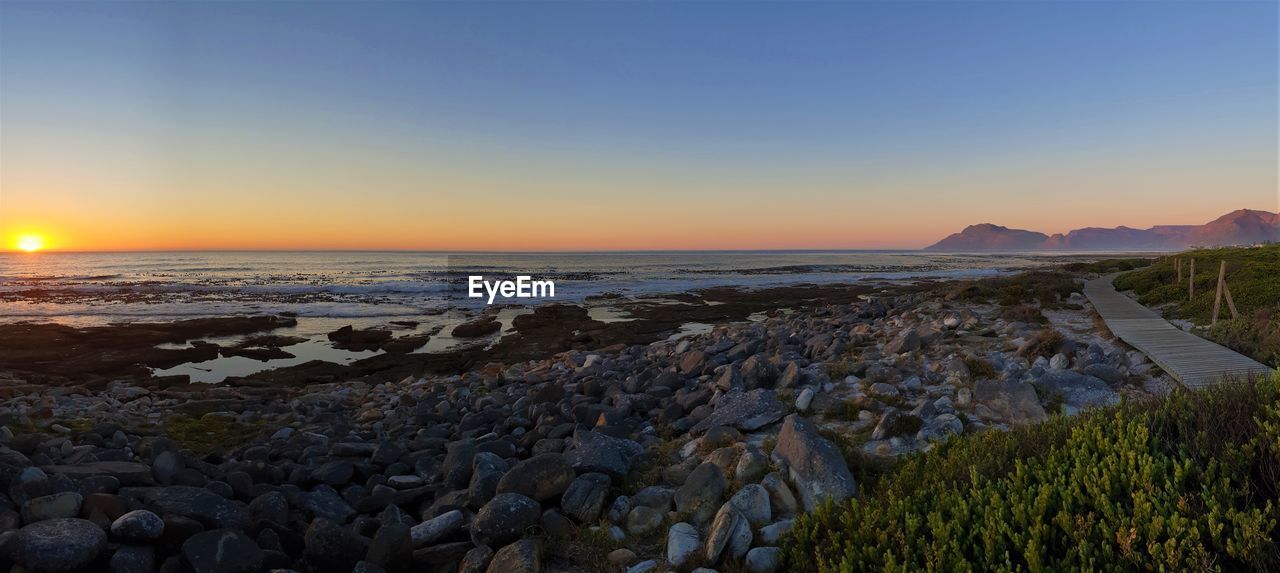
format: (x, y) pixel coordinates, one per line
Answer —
(814, 463)
(746, 411)
(129, 473)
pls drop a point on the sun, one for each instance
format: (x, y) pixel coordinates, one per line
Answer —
(30, 243)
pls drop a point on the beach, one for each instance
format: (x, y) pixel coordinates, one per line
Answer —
(622, 428)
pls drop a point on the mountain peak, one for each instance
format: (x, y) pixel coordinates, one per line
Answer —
(1239, 227)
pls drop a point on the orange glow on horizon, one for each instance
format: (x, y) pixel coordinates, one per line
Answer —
(30, 243)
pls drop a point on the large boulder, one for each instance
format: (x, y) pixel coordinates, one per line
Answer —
(1076, 391)
(541, 477)
(814, 464)
(520, 557)
(585, 497)
(437, 528)
(57, 545)
(504, 519)
(591, 451)
(700, 495)
(200, 504)
(1010, 401)
(138, 525)
(747, 411)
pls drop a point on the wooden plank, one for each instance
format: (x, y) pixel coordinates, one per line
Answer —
(1192, 361)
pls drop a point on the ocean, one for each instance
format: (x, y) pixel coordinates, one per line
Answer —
(85, 289)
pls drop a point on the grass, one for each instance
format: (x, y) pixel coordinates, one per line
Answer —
(1253, 275)
(210, 433)
(1185, 482)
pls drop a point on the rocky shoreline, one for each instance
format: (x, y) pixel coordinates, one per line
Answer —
(606, 449)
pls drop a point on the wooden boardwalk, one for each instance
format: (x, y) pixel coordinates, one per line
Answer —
(1189, 359)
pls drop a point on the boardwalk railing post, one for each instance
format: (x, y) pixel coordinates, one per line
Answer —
(1231, 304)
(1217, 297)
(1177, 264)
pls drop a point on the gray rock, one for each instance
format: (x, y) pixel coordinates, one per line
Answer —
(200, 504)
(643, 520)
(683, 545)
(222, 551)
(655, 496)
(139, 525)
(1077, 391)
(166, 466)
(699, 497)
(57, 545)
(1008, 401)
(585, 497)
(747, 411)
(752, 501)
(781, 500)
(940, 428)
(325, 503)
(1105, 372)
(504, 519)
(908, 341)
(649, 566)
(887, 426)
(271, 506)
(54, 506)
(133, 559)
(334, 473)
(541, 477)
(391, 547)
(476, 561)
(814, 464)
(434, 530)
(1059, 362)
(763, 560)
(772, 534)
(804, 400)
(332, 547)
(591, 451)
(520, 557)
(729, 537)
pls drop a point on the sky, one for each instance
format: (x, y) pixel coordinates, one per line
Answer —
(626, 125)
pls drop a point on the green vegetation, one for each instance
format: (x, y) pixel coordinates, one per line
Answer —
(1187, 482)
(1047, 287)
(1107, 266)
(210, 433)
(1253, 275)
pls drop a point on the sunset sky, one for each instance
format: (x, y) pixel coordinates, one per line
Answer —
(632, 125)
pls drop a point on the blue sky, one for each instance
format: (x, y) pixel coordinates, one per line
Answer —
(816, 124)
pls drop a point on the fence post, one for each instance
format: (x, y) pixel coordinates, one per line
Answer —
(1178, 265)
(1191, 281)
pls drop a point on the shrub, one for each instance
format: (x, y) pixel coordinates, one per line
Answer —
(1187, 482)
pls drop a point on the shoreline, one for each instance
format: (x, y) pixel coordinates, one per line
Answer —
(627, 443)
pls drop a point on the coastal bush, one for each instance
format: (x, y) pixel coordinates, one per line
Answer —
(1185, 482)
(1045, 287)
(1253, 275)
(1108, 266)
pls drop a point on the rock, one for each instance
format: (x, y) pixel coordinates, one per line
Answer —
(700, 495)
(884, 390)
(729, 537)
(592, 451)
(476, 561)
(1077, 391)
(814, 464)
(772, 534)
(335, 473)
(504, 520)
(908, 341)
(746, 411)
(621, 557)
(331, 547)
(781, 500)
(692, 362)
(438, 528)
(270, 506)
(1008, 401)
(751, 466)
(888, 425)
(763, 560)
(166, 466)
(683, 545)
(129, 473)
(650, 566)
(1105, 372)
(324, 502)
(138, 526)
(391, 547)
(643, 520)
(940, 428)
(481, 326)
(55, 506)
(520, 557)
(1059, 362)
(541, 477)
(222, 551)
(133, 559)
(619, 509)
(804, 400)
(57, 545)
(200, 504)
(585, 497)
(752, 501)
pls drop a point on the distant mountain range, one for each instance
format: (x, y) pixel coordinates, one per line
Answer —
(1241, 227)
